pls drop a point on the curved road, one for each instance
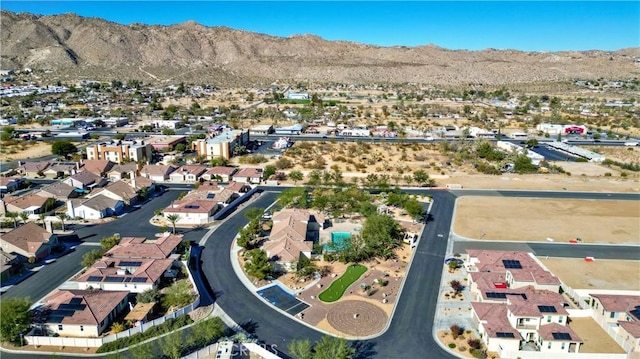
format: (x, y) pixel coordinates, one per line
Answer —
(410, 331)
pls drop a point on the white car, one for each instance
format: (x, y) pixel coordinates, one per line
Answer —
(632, 143)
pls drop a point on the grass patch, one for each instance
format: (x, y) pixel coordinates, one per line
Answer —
(337, 288)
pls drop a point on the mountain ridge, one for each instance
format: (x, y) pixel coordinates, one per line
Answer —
(76, 46)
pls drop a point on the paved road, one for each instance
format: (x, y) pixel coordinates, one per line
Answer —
(561, 250)
(410, 332)
(134, 224)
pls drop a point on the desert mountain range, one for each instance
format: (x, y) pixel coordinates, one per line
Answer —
(80, 47)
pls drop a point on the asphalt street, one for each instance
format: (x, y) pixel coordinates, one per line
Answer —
(134, 224)
(410, 331)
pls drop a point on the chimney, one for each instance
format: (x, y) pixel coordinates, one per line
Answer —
(71, 210)
(132, 176)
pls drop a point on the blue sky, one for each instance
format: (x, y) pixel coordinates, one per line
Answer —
(473, 25)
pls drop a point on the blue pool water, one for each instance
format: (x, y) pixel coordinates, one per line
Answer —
(339, 241)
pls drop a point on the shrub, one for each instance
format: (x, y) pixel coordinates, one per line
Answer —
(117, 327)
(452, 345)
(608, 174)
(477, 353)
(474, 343)
(170, 325)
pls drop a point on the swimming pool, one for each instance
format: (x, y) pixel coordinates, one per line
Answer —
(339, 242)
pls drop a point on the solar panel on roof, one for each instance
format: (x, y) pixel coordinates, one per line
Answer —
(511, 264)
(94, 278)
(505, 335)
(130, 264)
(561, 336)
(547, 309)
(73, 307)
(138, 279)
(114, 279)
(496, 295)
(636, 313)
(210, 195)
(75, 301)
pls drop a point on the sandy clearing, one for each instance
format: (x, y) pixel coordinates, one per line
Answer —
(39, 149)
(499, 218)
(595, 339)
(600, 274)
(588, 169)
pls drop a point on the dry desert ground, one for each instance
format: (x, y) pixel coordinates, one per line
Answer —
(556, 220)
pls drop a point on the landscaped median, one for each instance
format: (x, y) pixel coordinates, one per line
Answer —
(340, 285)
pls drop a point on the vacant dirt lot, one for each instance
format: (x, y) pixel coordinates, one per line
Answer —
(595, 339)
(534, 219)
(600, 274)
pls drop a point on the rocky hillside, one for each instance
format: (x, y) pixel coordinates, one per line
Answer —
(78, 47)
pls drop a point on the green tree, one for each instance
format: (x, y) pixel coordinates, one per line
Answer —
(218, 161)
(172, 345)
(269, 171)
(296, 176)
(207, 332)
(109, 242)
(178, 295)
(62, 217)
(148, 296)
(173, 218)
(254, 213)
(381, 234)
(63, 148)
(120, 136)
(14, 216)
(168, 131)
(89, 258)
(333, 348)
(421, 177)
(142, 351)
(258, 265)
(16, 318)
(42, 217)
(300, 349)
(180, 147)
(532, 142)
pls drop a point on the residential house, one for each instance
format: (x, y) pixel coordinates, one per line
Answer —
(499, 271)
(121, 191)
(630, 332)
(8, 265)
(223, 145)
(157, 173)
(9, 184)
(97, 167)
(248, 175)
(31, 203)
(125, 170)
(61, 169)
(29, 240)
(32, 169)
(187, 173)
(135, 276)
(608, 309)
(193, 211)
(96, 207)
(83, 313)
(289, 238)
(85, 180)
(527, 319)
(136, 247)
(58, 190)
(220, 173)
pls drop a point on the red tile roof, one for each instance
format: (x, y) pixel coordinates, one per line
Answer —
(531, 271)
(135, 247)
(618, 303)
(28, 237)
(97, 304)
(546, 331)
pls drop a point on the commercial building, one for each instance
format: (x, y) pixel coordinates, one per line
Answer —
(120, 151)
(222, 145)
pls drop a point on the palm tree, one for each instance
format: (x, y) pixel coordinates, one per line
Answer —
(173, 218)
(14, 216)
(24, 216)
(62, 217)
(42, 216)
